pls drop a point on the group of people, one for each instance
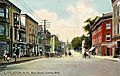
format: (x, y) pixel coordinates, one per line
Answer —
(87, 53)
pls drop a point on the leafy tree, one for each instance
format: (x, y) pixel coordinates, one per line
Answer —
(56, 43)
(83, 37)
(76, 43)
(87, 28)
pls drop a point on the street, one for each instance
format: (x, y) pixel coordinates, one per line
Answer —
(65, 66)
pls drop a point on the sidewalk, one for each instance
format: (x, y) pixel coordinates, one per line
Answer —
(107, 58)
(20, 60)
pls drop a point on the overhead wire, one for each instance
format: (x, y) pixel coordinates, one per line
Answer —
(36, 16)
(29, 10)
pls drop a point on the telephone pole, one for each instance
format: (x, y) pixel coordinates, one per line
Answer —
(45, 22)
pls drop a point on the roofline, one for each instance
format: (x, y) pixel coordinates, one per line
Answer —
(4, 2)
(105, 16)
(14, 5)
(30, 17)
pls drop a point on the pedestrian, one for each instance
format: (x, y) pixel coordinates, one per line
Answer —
(37, 53)
(93, 52)
(17, 53)
(8, 56)
(85, 54)
(14, 56)
(70, 54)
(5, 55)
(40, 52)
(66, 53)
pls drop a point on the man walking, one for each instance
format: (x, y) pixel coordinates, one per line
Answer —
(5, 55)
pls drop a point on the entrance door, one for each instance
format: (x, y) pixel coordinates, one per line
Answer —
(108, 51)
(118, 48)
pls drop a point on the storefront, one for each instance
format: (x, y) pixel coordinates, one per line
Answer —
(3, 46)
(4, 27)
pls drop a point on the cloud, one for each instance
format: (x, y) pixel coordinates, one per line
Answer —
(45, 14)
(79, 12)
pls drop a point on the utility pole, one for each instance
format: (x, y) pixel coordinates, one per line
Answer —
(44, 32)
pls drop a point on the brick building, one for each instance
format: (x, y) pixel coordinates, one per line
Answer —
(102, 35)
(47, 39)
(31, 27)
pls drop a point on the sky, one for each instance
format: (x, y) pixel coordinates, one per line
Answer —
(66, 17)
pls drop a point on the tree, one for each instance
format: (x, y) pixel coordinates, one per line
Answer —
(76, 43)
(87, 28)
(83, 37)
(56, 43)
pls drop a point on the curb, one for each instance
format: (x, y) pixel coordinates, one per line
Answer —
(111, 59)
(21, 61)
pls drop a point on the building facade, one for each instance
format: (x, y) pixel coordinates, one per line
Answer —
(31, 27)
(40, 39)
(116, 26)
(54, 43)
(4, 27)
(102, 35)
(57, 46)
(47, 38)
(15, 21)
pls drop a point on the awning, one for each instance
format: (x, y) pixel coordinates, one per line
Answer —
(92, 48)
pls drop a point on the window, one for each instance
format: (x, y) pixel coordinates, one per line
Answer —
(16, 19)
(1, 30)
(118, 10)
(7, 30)
(108, 25)
(107, 37)
(2, 12)
(7, 13)
(17, 35)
